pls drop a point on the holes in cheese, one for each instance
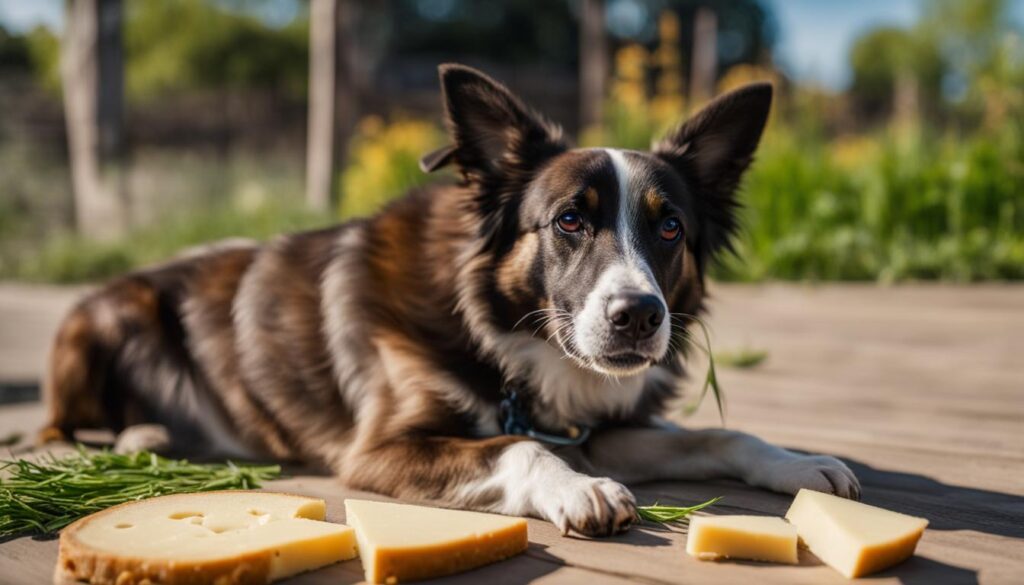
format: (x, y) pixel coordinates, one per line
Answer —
(398, 542)
(853, 538)
(203, 538)
(757, 538)
(185, 516)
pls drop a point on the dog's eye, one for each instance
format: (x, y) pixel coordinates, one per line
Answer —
(569, 222)
(670, 229)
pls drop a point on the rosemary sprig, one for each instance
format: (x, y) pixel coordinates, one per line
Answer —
(41, 497)
(664, 514)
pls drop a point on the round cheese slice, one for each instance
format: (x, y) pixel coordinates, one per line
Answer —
(226, 538)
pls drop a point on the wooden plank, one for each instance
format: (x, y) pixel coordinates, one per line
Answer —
(918, 388)
(28, 318)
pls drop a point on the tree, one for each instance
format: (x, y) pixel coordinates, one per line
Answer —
(961, 51)
(980, 42)
(92, 70)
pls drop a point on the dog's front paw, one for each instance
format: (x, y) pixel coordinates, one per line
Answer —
(147, 437)
(821, 473)
(591, 506)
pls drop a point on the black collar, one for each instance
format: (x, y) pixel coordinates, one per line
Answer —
(516, 418)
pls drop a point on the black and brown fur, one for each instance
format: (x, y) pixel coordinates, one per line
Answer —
(379, 348)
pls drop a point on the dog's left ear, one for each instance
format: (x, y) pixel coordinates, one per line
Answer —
(494, 132)
(712, 150)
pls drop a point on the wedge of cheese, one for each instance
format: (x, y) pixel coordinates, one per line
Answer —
(398, 542)
(227, 538)
(853, 538)
(756, 538)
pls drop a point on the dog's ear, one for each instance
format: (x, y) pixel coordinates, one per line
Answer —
(437, 159)
(712, 150)
(493, 131)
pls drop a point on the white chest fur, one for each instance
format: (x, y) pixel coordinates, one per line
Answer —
(568, 393)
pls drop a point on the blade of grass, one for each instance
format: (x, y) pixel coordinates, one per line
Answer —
(743, 358)
(711, 379)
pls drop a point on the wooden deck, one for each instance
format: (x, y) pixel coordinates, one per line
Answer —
(920, 389)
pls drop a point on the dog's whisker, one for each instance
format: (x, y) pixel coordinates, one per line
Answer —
(544, 322)
(559, 330)
(554, 317)
(531, 313)
(554, 332)
(547, 316)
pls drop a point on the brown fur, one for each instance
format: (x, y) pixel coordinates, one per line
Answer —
(379, 348)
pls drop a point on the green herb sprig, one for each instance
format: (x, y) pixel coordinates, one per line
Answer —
(665, 514)
(742, 358)
(711, 380)
(41, 497)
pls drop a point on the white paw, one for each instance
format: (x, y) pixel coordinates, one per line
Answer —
(821, 473)
(590, 506)
(136, 438)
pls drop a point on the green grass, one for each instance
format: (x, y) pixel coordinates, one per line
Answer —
(177, 198)
(888, 208)
(68, 258)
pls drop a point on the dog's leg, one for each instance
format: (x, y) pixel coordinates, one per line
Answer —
(403, 447)
(507, 475)
(144, 437)
(84, 386)
(671, 453)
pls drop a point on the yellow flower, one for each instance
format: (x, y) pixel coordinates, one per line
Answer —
(384, 162)
(851, 152)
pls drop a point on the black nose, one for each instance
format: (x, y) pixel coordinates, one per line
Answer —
(636, 315)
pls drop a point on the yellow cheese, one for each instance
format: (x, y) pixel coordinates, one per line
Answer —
(398, 542)
(853, 538)
(223, 537)
(758, 538)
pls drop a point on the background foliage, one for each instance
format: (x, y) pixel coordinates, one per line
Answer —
(915, 172)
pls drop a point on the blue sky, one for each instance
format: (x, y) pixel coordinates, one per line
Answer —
(814, 35)
(22, 15)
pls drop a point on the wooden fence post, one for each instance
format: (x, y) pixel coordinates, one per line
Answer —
(593, 63)
(332, 100)
(704, 67)
(92, 73)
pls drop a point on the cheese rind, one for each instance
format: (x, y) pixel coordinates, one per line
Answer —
(226, 537)
(399, 542)
(853, 538)
(757, 538)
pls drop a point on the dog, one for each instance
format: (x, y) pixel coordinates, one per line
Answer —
(507, 341)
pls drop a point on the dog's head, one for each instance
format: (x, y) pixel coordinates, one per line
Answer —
(597, 249)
